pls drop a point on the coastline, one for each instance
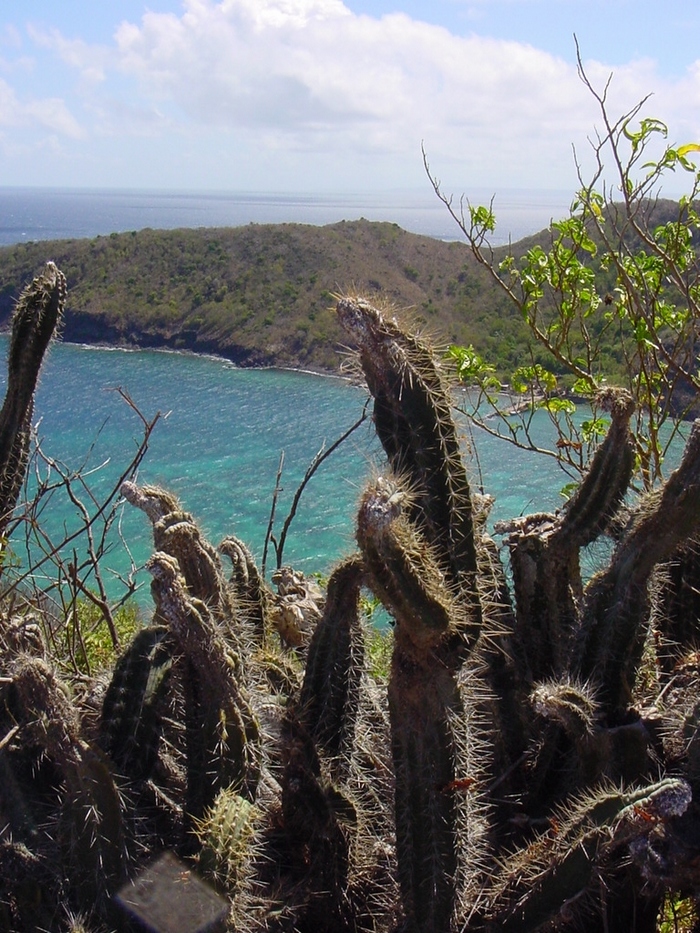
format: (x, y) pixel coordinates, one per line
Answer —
(186, 351)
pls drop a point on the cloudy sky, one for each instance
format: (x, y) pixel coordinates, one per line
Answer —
(329, 95)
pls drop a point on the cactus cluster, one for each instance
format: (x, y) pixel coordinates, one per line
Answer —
(512, 772)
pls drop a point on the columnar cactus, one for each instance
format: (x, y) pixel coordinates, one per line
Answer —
(88, 828)
(574, 651)
(222, 732)
(544, 551)
(542, 883)
(616, 609)
(132, 710)
(176, 533)
(197, 606)
(413, 420)
(515, 773)
(248, 586)
(34, 322)
(417, 535)
(330, 694)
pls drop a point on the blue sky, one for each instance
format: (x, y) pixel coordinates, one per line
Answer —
(330, 95)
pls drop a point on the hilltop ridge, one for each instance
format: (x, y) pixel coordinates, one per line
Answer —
(261, 295)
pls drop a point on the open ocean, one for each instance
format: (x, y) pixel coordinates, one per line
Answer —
(49, 214)
(218, 444)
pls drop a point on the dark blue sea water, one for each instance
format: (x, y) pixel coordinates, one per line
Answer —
(46, 214)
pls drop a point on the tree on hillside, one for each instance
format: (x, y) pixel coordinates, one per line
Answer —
(617, 289)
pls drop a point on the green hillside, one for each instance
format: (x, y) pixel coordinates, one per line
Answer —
(261, 294)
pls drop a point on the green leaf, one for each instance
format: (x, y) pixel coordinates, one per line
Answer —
(596, 427)
(471, 368)
(558, 405)
(566, 492)
(533, 378)
(482, 218)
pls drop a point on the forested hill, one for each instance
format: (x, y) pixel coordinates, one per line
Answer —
(263, 294)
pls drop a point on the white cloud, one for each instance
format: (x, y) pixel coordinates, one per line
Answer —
(90, 60)
(313, 67)
(312, 78)
(48, 113)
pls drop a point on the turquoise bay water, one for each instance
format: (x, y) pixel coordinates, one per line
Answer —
(218, 443)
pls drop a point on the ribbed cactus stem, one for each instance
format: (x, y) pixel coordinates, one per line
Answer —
(594, 504)
(677, 604)
(226, 834)
(405, 574)
(413, 420)
(176, 533)
(91, 821)
(155, 501)
(133, 705)
(248, 585)
(616, 609)
(418, 538)
(425, 707)
(544, 551)
(222, 727)
(429, 724)
(36, 317)
(560, 867)
(573, 705)
(330, 693)
(318, 847)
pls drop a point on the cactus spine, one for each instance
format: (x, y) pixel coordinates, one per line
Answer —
(36, 317)
(417, 536)
(223, 737)
(330, 692)
(564, 795)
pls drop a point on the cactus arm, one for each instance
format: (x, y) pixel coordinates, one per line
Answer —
(590, 510)
(429, 724)
(414, 423)
(678, 604)
(176, 533)
(544, 551)
(154, 501)
(131, 718)
(418, 539)
(540, 884)
(248, 585)
(90, 823)
(318, 846)
(405, 573)
(92, 826)
(617, 601)
(222, 729)
(36, 317)
(225, 833)
(330, 692)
